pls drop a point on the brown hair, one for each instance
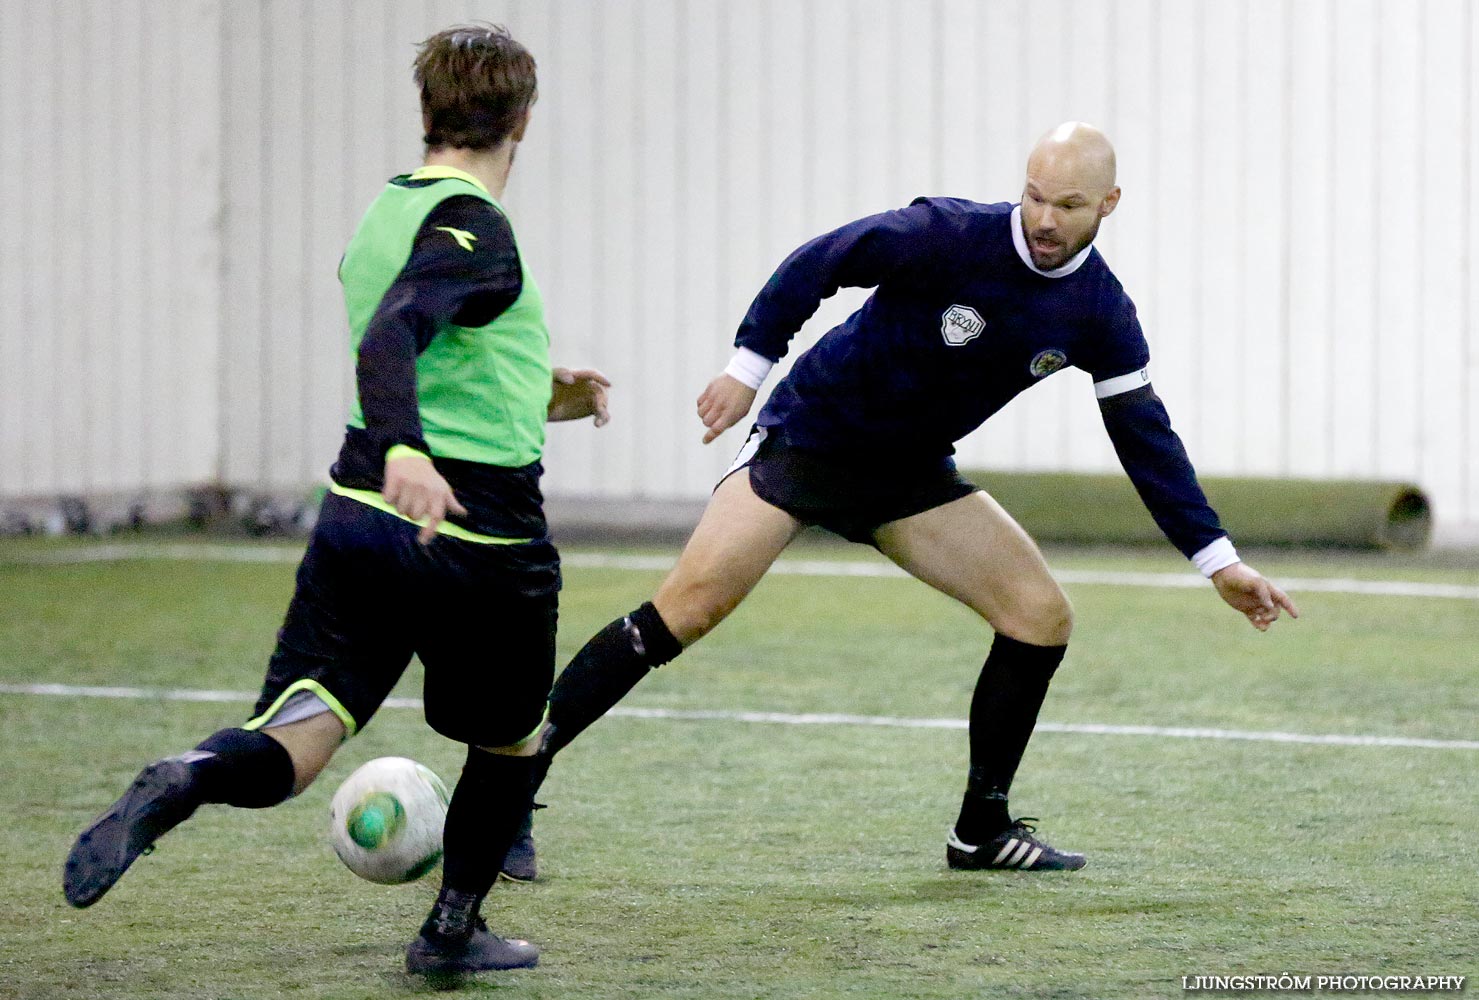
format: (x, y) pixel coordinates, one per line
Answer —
(476, 84)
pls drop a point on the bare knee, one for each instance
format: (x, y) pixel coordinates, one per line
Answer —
(1042, 617)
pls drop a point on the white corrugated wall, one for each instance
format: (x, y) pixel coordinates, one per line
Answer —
(1296, 229)
(110, 245)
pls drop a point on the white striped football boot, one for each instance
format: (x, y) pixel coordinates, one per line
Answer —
(1015, 848)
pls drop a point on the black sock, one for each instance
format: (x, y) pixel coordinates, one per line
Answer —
(488, 805)
(1004, 708)
(242, 767)
(608, 666)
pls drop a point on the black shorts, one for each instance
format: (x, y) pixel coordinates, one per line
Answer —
(851, 497)
(369, 595)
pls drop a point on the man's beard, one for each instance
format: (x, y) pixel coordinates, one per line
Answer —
(1063, 254)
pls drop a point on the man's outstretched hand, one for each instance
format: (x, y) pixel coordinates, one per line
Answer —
(722, 404)
(577, 393)
(1246, 590)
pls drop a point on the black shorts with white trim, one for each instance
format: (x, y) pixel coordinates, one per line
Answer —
(848, 496)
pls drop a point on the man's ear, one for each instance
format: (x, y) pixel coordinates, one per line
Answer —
(1110, 201)
(517, 135)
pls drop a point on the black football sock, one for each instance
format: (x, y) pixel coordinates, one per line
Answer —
(608, 666)
(241, 767)
(1004, 708)
(488, 805)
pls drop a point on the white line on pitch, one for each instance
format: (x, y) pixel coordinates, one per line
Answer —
(842, 568)
(784, 567)
(805, 719)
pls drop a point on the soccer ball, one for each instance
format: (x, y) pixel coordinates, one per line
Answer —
(386, 820)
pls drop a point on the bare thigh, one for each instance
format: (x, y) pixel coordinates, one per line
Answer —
(972, 550)
(736, 541)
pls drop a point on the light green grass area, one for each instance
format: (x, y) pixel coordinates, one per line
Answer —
(729, 859)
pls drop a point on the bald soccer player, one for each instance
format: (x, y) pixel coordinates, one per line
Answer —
(973, 303)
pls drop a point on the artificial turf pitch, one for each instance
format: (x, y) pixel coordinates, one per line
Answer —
(723, 858)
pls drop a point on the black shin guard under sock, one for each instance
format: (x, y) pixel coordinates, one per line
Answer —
(490, 801)
(243, 768)
(453, 915)
(608, 666)
(1004, 708)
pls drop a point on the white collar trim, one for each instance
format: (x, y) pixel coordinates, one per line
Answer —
(1020, 242)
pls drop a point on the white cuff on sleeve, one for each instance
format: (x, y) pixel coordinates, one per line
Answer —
(1122, 383)
(749, 368)
(1215, 556)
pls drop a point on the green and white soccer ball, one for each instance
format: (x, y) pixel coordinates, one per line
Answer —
(386, 820)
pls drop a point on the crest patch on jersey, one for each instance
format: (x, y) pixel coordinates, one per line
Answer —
(1044, 363)
(961, 325)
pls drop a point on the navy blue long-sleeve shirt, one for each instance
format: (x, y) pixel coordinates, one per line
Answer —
(959, 323)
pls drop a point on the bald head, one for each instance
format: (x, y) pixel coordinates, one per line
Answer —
(1070, 189)
(1077, 154)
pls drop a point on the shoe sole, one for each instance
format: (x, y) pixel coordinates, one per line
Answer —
(102, 853)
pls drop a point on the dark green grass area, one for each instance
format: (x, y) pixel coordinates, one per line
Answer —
(723, 859)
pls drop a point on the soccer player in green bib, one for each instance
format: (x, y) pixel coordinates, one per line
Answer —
(432, 539)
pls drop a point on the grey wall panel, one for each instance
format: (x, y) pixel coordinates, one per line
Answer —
(1356, 365)
(1444, 248)
(1262, 375)
(1467, 443)
(196, 274)
(17, 421)
(243, 416)
(1398, 244)
(109, 300)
